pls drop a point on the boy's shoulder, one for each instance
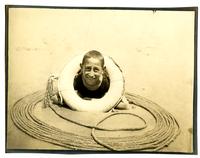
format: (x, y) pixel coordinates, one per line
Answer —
(77, 81)
(106, 82)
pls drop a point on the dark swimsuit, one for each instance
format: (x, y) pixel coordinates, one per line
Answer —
(85, 93)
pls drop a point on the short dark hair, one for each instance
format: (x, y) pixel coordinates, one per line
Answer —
(95, 54)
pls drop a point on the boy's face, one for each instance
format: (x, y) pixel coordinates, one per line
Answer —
(92, 73)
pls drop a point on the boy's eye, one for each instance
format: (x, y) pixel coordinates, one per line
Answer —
(87, 68)
(96, 70)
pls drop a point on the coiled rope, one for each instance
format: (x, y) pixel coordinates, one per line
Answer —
(102, 120)
(166, 128)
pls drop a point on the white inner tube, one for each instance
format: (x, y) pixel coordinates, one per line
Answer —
(104, 104)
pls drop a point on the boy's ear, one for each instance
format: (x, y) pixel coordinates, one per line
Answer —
(105, 71)
(81, 66)
(104, 68)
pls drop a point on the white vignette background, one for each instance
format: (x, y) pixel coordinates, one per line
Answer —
(88, 3)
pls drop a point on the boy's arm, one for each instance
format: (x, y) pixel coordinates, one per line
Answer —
(124, 104)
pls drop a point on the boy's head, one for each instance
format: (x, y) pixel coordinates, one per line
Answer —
(92, 69)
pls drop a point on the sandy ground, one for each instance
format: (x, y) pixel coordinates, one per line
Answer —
(47, 115)
(15, 136)
(157, 61)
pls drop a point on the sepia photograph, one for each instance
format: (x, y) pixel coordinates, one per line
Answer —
(101, 79)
